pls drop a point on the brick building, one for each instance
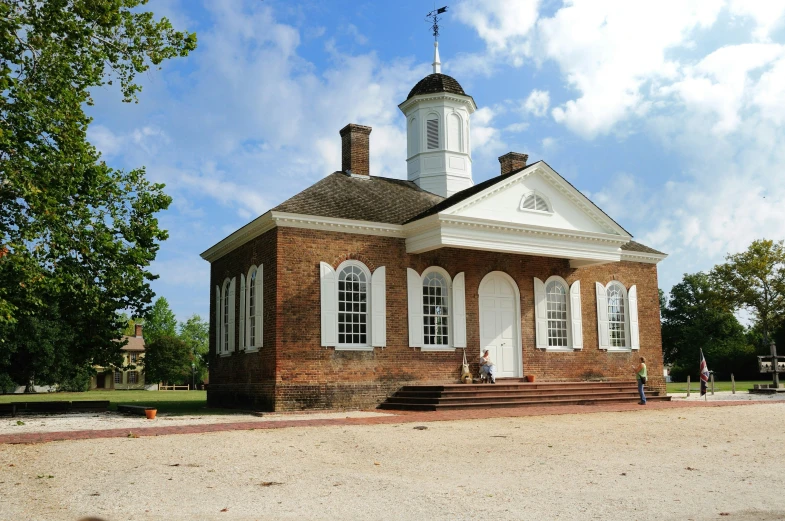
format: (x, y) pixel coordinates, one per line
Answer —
(360, 284)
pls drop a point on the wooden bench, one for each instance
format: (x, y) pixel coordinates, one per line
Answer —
(8, 408)
(135, 409)
(40, 407)
(90, 405)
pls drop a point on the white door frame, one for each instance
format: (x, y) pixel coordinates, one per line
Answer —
(516, 321)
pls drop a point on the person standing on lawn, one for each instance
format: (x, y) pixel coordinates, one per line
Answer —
(640, 374)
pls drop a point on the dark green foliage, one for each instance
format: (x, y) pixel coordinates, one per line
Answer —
(696, 318)
(7, 384)
(72, 230)
(76, 379)
(168, 360)
(160, 321)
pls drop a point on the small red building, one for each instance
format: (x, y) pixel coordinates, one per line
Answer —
(361, 284)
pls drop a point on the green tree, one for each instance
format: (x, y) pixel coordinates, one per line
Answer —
(696, 319)
(754, 280)
(195, 332)
(168, 360)
(72, 228)
(160, 321)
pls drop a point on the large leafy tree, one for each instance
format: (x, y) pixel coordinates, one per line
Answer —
(72, 229)
(160, 321)
(696, 319)
(168, 360)
(195, 332)
(754, 280)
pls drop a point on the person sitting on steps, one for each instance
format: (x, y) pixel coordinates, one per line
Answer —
(487, 369)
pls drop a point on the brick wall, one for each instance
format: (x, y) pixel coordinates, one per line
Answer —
(307, 375)
(243, 379)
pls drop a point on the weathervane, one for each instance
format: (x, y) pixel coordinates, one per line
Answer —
(433, 16)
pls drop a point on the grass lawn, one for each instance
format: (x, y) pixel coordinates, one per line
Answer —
(172, 402)
(681, 387)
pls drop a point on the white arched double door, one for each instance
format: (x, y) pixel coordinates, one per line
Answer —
(500, 323)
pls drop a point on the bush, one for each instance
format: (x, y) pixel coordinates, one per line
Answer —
(7, 385)
(77, 381)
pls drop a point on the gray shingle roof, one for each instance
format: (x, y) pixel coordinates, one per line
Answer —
(434, 83)
(638, 247)
(385, 200)
(375, 199)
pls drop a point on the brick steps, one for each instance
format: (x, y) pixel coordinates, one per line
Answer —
(513, 393)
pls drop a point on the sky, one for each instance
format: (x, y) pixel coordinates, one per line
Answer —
(668, 114)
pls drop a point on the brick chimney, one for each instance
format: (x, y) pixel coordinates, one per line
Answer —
(512, 161)
(355, 144)
(138, 330)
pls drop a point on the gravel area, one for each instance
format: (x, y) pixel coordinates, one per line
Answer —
(728, 396)
(113, 420)
(672, 464)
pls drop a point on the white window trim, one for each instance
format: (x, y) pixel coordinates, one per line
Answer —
(224, 347)
(258, 308)
(627, 343)
(545, 198)
(369, 311)
(569, 347)
(450, 346)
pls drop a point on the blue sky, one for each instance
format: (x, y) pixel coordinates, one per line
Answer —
(670, 115)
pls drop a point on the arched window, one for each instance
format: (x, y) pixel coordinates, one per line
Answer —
(252, 307)
(534, 201)
(353, 305)
(617, 315)
(557, 314)
(435, 310)
(432, 131)
(556, 294)
(225, 315)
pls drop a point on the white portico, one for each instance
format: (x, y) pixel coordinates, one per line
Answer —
(438, 113)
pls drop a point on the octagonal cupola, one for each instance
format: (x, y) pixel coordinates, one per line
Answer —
(437, 112)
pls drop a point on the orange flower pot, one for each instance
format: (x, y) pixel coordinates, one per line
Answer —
(150, 413)
(529, 377)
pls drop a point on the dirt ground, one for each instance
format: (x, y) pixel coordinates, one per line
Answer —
(672, 464)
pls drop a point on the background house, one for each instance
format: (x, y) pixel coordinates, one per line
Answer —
(130, 375)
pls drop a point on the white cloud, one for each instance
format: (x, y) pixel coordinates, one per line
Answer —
(503, 25)
(768, 15)
(537, 103)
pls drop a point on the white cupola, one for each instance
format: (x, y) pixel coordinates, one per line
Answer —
(438, 111)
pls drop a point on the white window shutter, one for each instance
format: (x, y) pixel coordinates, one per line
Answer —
(329, 305)
(414, 283)
(576, 316)
(459, 310)
(635, 335)
(243, 332)
(259, 307)
(603, 334)
(379, 308)
(232, 330)
(218, 320)
(540, 314)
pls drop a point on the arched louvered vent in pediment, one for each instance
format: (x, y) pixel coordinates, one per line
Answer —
(535, 201)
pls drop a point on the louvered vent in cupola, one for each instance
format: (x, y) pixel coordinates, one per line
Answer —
(534, 201)
(432, 130)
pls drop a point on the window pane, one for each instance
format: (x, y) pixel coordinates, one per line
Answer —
(352, 306)
(556, 304)
(435, 295)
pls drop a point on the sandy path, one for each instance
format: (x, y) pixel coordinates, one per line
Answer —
(649, 464)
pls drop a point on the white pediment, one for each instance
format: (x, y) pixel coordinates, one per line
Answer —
(569, 210)
(558, 221)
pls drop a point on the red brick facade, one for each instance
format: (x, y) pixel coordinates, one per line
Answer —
(293, 370)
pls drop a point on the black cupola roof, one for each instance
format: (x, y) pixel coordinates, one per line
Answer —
(436, 82)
